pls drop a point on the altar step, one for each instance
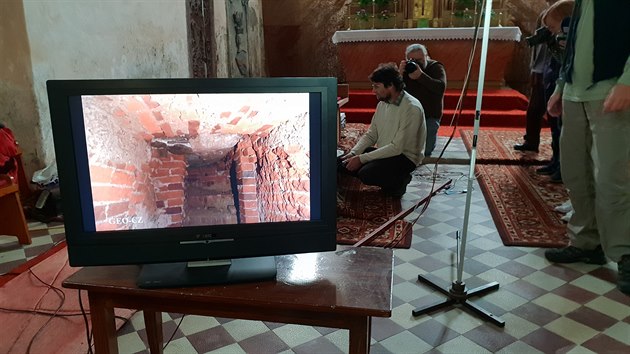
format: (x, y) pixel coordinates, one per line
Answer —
(500, 107)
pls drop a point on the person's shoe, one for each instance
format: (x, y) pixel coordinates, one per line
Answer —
(564, 207)
(546, 170)
(623, 277)
(526, 147)
(556, 177)
(567, 217)
(572, 254)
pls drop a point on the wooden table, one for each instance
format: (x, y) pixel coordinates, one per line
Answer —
(342, 289)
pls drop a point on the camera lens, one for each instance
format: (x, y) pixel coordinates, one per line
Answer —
(410, 67)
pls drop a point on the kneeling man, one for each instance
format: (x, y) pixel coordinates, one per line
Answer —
(394, 144)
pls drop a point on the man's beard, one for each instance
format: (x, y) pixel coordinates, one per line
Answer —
(384, 98)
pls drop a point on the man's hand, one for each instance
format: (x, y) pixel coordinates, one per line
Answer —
(554, 105)
(401, 67)
(352, 163)
(414, 75)
(618, 99)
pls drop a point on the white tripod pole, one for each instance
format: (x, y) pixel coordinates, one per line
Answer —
(458, 293)
(473, 150)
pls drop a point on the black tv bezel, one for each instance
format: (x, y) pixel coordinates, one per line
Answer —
(191, 243)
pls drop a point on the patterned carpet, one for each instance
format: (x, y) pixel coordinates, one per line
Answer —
(496, 146)
(522, 205)
(521, 202)
(362, 209)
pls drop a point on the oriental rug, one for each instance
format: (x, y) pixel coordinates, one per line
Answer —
(496, 146)
(361, 209)
(39, 316)
(522, 205)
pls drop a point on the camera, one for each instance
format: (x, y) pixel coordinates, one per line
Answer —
(542, 35)
(410, 66)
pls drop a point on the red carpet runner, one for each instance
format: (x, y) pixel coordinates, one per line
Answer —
(520, 200)
(496, 146)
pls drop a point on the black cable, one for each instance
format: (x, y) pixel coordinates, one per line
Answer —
(175, 331)
(59, 293)
(88, 332)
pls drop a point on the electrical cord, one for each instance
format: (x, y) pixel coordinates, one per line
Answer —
(454, 123)
(62, 297)
(174, 331)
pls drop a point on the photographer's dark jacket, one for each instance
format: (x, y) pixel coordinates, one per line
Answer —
(429, 88)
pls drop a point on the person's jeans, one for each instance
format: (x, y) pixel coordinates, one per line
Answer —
(432, 130)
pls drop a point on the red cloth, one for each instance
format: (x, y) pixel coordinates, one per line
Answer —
(8, 152)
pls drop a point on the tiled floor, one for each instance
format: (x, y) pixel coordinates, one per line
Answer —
(547, 308)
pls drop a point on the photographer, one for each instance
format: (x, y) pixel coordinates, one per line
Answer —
(556, 21)
(537, 104)
(425, 79)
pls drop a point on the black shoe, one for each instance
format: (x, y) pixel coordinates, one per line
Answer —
(556, 177)
(526, 147)
(573, 254)
(547, 170)
(623, 277)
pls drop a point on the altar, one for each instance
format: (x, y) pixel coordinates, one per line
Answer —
(360, 51)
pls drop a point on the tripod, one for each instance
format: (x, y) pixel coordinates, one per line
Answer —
(458, 293)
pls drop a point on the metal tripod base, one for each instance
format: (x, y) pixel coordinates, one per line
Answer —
(458, 294)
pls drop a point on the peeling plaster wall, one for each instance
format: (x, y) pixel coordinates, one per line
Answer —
(17, 99)
(102, 39)
(220, 30)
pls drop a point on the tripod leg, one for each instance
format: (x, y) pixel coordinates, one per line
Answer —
(483, 313)
(434, 284)
(430, 308)
(483, 289)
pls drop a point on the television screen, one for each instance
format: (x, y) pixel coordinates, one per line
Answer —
(171, 171)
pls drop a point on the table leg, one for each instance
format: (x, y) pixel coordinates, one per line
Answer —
(103, 324)
(360, 329)
(155, 336)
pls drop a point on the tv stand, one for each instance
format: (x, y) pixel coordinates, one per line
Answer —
(177, 275)
(325, 289)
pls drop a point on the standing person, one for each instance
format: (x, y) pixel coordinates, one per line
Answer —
(593, 94)
(394, 143)
(427, 83)
(537, 104)
(556, 19)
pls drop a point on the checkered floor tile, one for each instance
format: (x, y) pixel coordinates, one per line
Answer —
(547, 308)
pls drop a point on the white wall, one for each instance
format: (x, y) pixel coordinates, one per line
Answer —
(87, 39)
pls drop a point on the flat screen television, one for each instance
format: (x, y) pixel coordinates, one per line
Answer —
(201, 181)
